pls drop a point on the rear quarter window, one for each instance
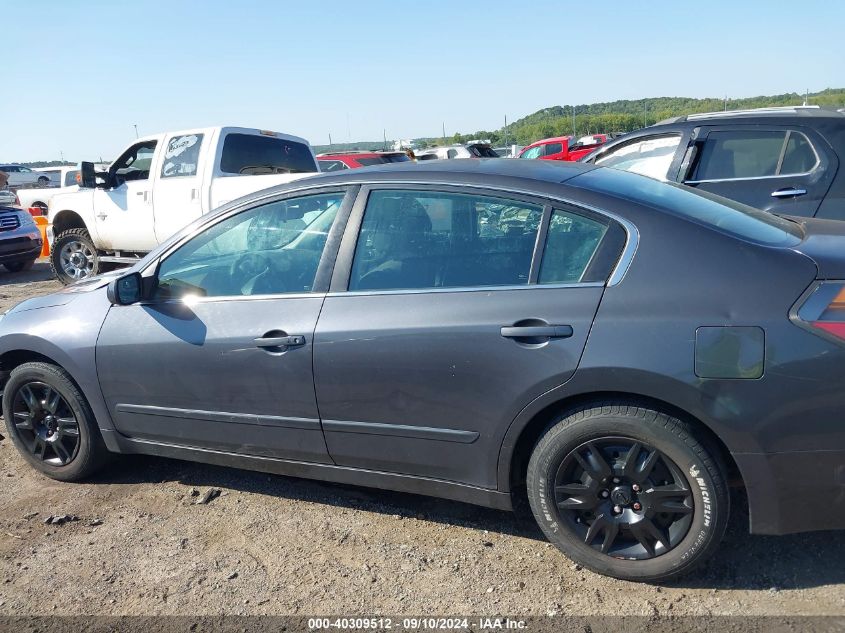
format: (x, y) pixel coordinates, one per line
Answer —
(698, 206)
(254, 155)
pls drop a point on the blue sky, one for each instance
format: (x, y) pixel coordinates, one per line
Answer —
(78, 75)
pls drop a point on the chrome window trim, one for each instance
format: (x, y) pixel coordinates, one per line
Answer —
(191, 300)
(422, 291)
(632, 239)
(789, 133)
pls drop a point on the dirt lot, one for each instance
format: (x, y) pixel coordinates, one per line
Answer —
(277, 545)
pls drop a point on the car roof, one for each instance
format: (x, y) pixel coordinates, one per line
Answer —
(473, 171)
(767, 114)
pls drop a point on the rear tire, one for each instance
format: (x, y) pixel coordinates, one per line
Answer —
(73, 256)
(16, 267)
(628, 492)
(51, 424)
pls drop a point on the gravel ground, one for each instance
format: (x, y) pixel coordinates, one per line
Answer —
(141, 544)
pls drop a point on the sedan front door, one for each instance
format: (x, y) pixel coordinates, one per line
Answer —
(446, 318)
(220, 357)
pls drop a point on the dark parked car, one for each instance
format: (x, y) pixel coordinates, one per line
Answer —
(20, 240)
(783, 160)
(618, 348)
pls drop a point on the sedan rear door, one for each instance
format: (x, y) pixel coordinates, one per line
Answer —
(446, 317)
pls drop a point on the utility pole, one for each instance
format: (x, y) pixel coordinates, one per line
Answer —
(806, 95)
(506, 130)
(443, 123)
(726, 103)
(330, 141)
(62, 156)
(384, 138)
(573, 121)
(645, 113)
(135, 125)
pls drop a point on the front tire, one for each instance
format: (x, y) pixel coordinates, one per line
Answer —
(51, 424)
(628, 492)
(74, 257)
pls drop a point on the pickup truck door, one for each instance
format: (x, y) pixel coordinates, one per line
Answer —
(124, 213)
(179, 181)
(781, 169)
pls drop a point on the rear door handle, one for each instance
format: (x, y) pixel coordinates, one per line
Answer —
(280, 341)
(538, 331)
(790, 192)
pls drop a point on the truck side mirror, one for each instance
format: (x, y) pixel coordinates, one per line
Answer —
(89, 178)
(125, 290)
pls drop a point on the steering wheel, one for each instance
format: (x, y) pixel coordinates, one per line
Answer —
(248, 272)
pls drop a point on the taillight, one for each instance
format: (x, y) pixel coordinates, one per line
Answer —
(824, 309)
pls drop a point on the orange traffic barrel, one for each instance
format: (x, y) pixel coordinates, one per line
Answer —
(41, 221)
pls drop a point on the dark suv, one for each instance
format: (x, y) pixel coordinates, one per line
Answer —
(783, 160)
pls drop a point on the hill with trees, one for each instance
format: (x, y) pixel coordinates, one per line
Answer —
(626, 116)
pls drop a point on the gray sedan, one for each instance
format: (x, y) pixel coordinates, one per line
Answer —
(617, 349)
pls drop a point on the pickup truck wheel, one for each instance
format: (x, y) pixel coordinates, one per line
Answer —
(74, 256)
(16, 267)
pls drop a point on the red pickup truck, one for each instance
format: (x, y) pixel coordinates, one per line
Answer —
(563, 147)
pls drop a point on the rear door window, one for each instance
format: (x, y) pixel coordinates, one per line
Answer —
(745, 154)
(425, 239)
(571, 244)
(553, 148)
(253, 155)
(799, 157)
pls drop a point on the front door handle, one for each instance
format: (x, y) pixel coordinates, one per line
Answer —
(789, 192)
(280, 341)
(537, 331)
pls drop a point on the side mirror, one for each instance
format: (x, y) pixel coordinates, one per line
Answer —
(125, 290)
(86, 173)
(89, 178)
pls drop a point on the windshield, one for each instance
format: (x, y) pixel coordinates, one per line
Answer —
(702, 207)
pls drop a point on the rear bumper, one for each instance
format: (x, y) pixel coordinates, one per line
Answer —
(794, 492)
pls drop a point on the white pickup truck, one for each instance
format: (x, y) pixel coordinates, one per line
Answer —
(158, 185)
(62, 180)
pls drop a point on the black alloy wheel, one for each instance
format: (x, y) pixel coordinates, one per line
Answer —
(628, 491)
(45, 423)
(51, 423)
(624, 498)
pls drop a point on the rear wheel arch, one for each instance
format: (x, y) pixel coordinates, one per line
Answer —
(514, 457)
